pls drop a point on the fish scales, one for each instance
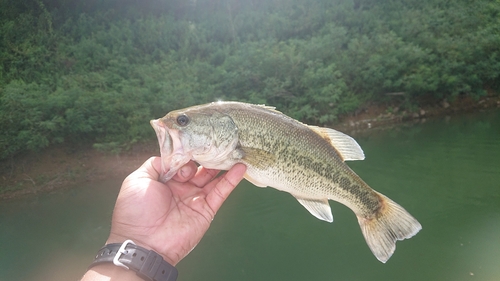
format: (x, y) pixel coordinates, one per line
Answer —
(304, 159)
(283, 153)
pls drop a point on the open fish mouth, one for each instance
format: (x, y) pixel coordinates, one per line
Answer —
(172, 153)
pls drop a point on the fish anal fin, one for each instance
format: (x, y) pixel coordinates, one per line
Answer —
(392, 223)
(317, 207)
(258, 158)
(345, 145)
(254, 181)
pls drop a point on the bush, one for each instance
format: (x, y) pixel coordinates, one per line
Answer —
(99, 71)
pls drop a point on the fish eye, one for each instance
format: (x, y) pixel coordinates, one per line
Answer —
(182, 120)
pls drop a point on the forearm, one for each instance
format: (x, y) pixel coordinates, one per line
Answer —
(110, 272)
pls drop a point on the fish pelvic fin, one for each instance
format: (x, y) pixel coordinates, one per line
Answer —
(345, 145)
(318, 208)
(391, 223)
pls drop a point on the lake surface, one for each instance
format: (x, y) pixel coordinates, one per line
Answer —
(445, 172)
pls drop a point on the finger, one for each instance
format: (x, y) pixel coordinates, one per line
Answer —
(218, 193)
(204, 176)
(186, 172)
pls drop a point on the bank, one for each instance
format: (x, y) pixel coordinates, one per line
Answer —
(64, 166)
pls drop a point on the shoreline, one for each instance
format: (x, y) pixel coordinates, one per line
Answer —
(60, 167)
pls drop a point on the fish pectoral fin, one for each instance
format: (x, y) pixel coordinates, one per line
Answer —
(345, 145)
(258, 158)
(318, 208)
(254, 181)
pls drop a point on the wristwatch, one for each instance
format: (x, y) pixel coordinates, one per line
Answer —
(147, 264)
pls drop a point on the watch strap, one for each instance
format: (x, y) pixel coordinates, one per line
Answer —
(147, 264)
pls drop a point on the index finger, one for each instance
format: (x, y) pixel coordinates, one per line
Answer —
(186, 172)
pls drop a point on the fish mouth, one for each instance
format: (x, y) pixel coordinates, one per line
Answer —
(173, 156)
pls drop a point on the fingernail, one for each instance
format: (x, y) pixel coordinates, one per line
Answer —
(185, 171)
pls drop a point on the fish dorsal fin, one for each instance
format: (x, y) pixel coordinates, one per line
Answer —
(346, 146)
(317, 207)
(270, 108)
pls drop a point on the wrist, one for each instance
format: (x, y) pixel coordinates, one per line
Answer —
(116, 238)
(127, 259)
(110, 272)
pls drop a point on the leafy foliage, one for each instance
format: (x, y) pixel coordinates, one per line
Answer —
(98, 71)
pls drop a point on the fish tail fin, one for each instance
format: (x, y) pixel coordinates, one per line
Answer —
(390, 224)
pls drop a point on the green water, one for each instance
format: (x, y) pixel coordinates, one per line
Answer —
(446, 172)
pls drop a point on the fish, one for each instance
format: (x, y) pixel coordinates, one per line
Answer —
(280, 152)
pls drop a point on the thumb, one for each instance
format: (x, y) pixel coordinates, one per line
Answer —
(218, 193)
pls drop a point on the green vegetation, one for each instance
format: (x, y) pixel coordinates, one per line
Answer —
(98, 71)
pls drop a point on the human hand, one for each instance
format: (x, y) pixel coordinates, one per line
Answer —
(170, 218)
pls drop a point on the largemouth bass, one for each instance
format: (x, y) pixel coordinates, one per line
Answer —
(283, 153)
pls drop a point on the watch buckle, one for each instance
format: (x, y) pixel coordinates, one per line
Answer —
(120, 252)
